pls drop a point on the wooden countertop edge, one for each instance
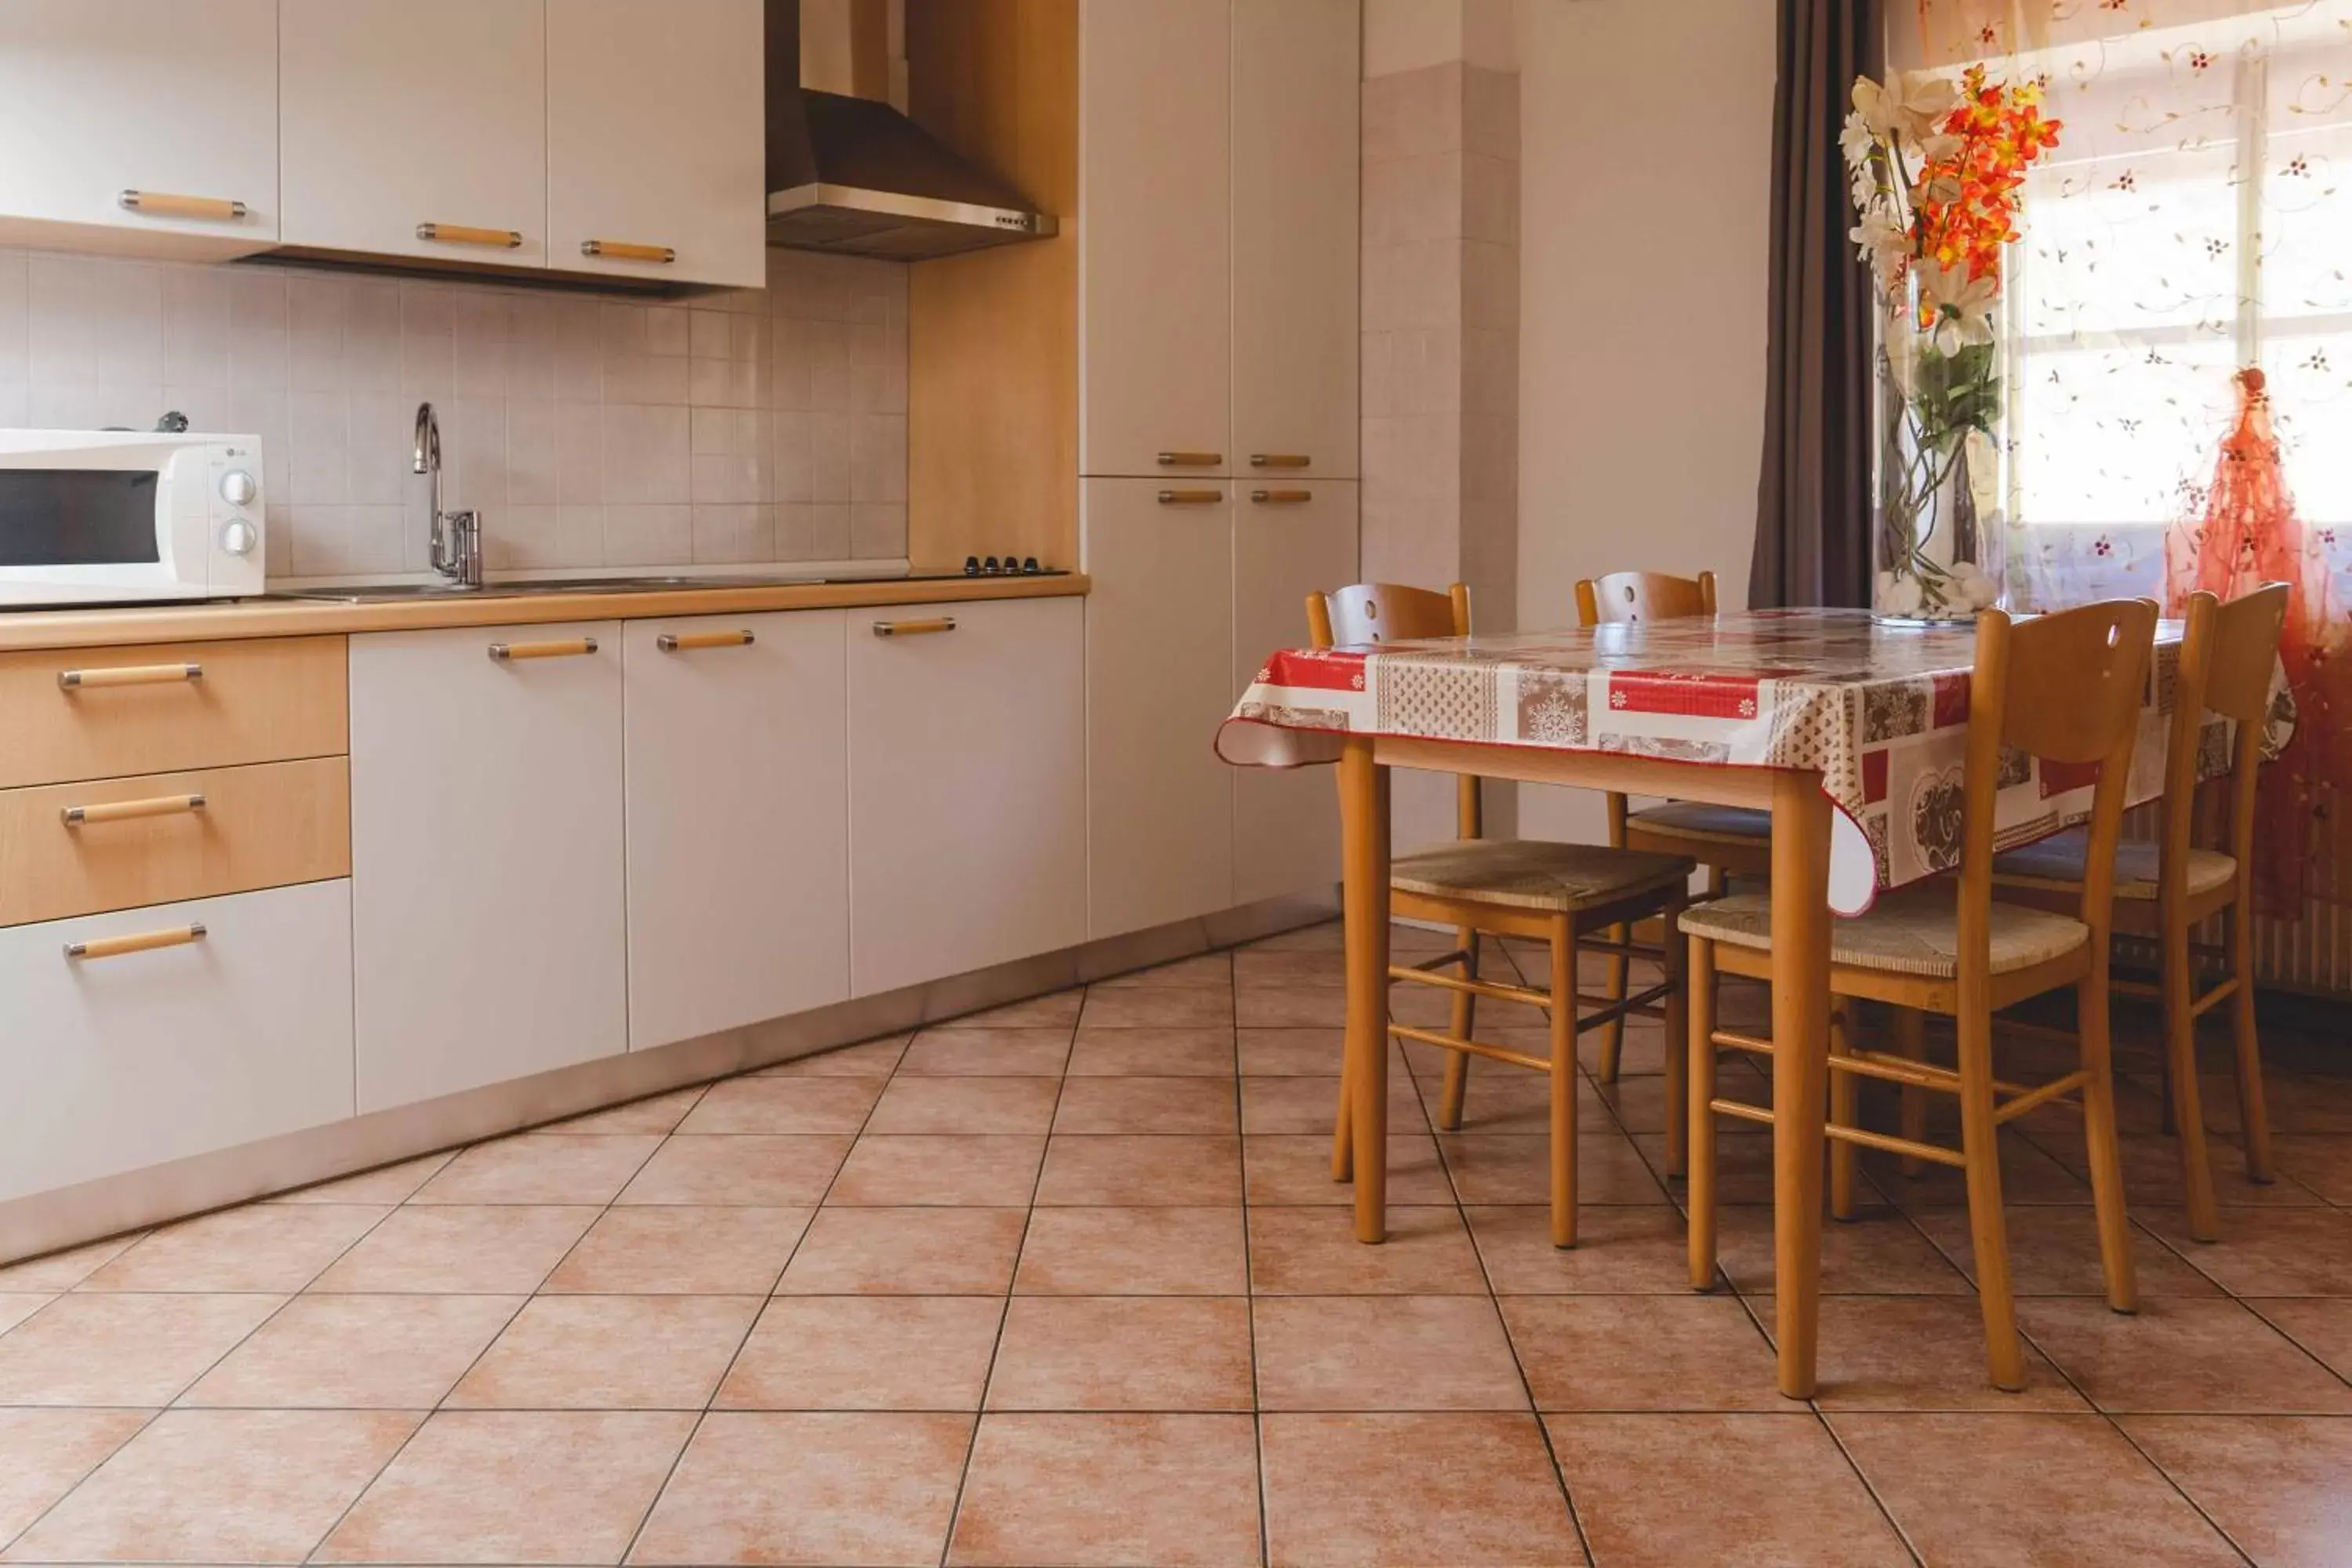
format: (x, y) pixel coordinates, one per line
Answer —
(286, 618)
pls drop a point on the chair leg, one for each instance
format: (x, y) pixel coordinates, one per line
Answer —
(1343, 1146)
(1719, 881)
(2105, 1153)
(1466, 1013)
(1677, 1059)
(1563, 1082)
(2179, 988)
(1843, 1092)
(1698, 1050)
(1988, 1224)
(1911, 1044)
(2254, 1115)
(1612, 1033)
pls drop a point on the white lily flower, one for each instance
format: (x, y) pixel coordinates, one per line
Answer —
(1857, 139)
(1963, 307)
(1906, 106)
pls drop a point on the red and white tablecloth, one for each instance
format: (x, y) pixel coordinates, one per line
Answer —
(1880, 711)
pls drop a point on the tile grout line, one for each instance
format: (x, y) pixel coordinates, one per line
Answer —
(1249, 1271)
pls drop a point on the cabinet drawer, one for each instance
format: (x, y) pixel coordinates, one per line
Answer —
(145, 840)
(103, 712)
(111, 1063)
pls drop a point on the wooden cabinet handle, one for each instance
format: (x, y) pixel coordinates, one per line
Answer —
(568, 648)
(1191, 498)
(914, 628)
(165, 204)
(1191, 459)
(460, 233)
(623, 250)
(126, 810)
(1281, 498)
(1279, 460)
(130, 675)
(145, 942)
(679, 642)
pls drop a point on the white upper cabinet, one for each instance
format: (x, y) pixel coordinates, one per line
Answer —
(1296, 87)
(657, 140)
(403, 119)
(174, 99)
(1155, 195)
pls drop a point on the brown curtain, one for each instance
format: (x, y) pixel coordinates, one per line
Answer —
(1813, 499)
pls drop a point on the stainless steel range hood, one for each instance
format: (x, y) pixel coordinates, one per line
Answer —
(852, 175)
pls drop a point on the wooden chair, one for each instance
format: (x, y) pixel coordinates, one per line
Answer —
(1728, 840)
(2165, 888)
(2066, 687)
(1561, 894)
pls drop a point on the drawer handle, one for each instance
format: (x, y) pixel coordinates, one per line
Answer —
(144, 941)
(914, 628)
(1279, 460)
(1281, 498)
(130, 675)
(165, 203)
(568, 648)
(1191, 459)
(1191, 498)
(460, 233)
(622, 251)
(126, 810)
(680, 642)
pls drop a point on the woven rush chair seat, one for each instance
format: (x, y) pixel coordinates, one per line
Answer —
(1912, 931)
(1534, 874)
(2057, 862)
(1726, 825)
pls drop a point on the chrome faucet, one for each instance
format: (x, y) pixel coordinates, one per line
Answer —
(457, 540)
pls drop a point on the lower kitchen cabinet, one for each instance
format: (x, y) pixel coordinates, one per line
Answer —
(487, 905)
(119, 1060)
(737, 811)
(966, 787)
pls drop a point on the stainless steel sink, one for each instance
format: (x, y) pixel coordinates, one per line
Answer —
(391, 593)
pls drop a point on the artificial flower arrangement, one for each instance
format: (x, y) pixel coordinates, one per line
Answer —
(1936, 167)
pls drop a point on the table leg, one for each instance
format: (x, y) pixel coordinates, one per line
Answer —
(1364, 838)
(1801, 1014)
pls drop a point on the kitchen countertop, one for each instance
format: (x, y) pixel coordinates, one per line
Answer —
(294, 617)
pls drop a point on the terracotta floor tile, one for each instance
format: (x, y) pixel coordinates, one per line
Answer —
(1275, 967)
(536, 1168)
(1384, 1353)
(1314, 1252)
(1296, 1168)
(1306, 1105)
(511, 1486)
(868, 1058)
(951, 1168)
(486, 1250)
(772, 1104)
(2054, 1251)
(1160, 1488)
(2274, 1252)
(1879, 1254)
(1676, 1489)
(2177, 1355)
(1140, 1171)
(1506, 1100)
(2028, 1176)
(947, 1051)
(655, 1113)
(1687, 1352)
(64, 1271)
(1197, 1051)
(1205, 971)
(2322, 1327)
(610, 1352)
(1123, 1352)
(752, 1168)
(122, 1349)
(357, 1352)
(15, 1306)
(1917, 1352)
(2276, 1486)
(866, 1352)
(1131, 1007)
(906, 1252)
(2321, 1162)
(1998, 1490)
(1058, 1010)
(687, 1251)
(1294, 1053)
(51, 1450)
(1162, 1251)
(1515, 1168)
(2152, 1173)
(394, 1184)
(1290, 1006)
(1196, 1105)
(818, 1487)
(275, 1247)
(1634, 1250)
(1369, 1488)
(966, 1105)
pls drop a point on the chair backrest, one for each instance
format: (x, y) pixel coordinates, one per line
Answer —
(1392, 612)
(1627, 597)
(2228, 652)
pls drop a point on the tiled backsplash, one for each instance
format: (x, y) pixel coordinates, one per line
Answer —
(750, 426)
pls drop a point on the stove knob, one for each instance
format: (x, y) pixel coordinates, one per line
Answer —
(237, 488)
(1029, 565)
(990, 566)
(239, 537)
(971, 566)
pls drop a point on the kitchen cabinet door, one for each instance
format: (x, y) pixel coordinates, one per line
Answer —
(487, 902)
(966, 787)
(1159, 636)
(175, 100)
(400, 117)
(1285, 823)
(1295, 158)
(657, 140)
(737, 811)
(1156, 192)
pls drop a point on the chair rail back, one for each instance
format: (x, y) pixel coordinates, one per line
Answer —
(2227, 653)
(1625, 597)
(1393, 612)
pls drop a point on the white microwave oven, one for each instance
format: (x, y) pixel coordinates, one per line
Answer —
(115, 516)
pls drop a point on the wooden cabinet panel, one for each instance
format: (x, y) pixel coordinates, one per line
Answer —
(737, 821)
(1159, 636)
(488, 908)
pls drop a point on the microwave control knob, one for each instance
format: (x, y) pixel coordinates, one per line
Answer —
(239, 537)
(237, 488)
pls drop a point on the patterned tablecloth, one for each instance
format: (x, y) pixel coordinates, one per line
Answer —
(1881, 711)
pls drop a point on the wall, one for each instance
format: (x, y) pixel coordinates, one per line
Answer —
(745, 427)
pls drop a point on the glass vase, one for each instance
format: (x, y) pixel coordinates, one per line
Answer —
(1937, 547)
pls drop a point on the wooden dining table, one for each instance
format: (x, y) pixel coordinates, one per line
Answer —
(1849, 732)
